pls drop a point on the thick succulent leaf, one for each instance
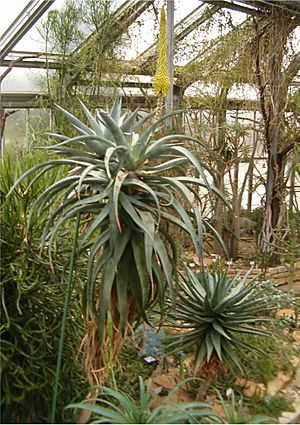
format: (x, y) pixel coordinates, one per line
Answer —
(148, 220)
(99, 242)
(221, 330)
(147, 188)
(134, 284)
(121, 176)
(75, 121)
(57, 136)
(230, 354)
(173, 220)
(250, 330)
(123, 399)
(107, 281)
(237, 298)
(182, 188)
(217, 236)
(205, 184)
(141, 121)
(209, 347)
(144, 279)
(88, 172)
(127, 125)
(82, 209)
(59, 189)
(93, 122)
(160, 283)
(122, 285)
(157, 147)
(49, 165)
(150, 130)
(125, 202)
(80, 141)
(104, 412)
(201, 355)
(196, 286)
(110, 152)
(64, 150)
(188, 224)
(115, 130)
(52, 217)
(95, 225)
(115, 111)
(216, 342)
(54, 189)
(162, 253)
(168, 165)
(37, 177)
(121, 245)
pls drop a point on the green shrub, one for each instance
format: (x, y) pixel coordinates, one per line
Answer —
(272, 405)
(32, 298)
(278, 352)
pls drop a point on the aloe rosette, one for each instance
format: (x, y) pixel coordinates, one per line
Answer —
(118, 181)
(212, 312)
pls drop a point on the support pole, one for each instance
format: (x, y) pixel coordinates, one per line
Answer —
(170, 47)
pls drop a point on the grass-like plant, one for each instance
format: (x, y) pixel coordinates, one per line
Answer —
(116, 407)
(129, 189)
(235, 413)
(212, 312)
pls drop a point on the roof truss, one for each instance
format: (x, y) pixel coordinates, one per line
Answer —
(31, 13)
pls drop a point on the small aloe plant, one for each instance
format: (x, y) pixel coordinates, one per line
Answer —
(116, 407)
(118, 183)
(213, 310)
(234, 411)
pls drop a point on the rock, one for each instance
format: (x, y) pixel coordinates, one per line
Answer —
(286, 417)
(297, 379)
(189, 363)
(295, 361)
(167, 380)
(296, 336)
(286, 312)
(278, 383)
(251, 388)
(247, 226)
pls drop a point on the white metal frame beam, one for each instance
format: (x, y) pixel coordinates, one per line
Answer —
(31, 13)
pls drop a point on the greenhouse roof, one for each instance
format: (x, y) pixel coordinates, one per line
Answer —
(22, 32)
(21, 45)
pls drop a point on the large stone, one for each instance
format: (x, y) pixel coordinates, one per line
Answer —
(251, 388)
(296, 336)
(286, 312)
(167, 380)
(295, 360)
(297, 379)
(279, 382)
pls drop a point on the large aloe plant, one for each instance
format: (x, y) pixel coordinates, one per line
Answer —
(119, 183)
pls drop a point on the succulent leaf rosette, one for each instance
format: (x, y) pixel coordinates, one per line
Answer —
(213, 310)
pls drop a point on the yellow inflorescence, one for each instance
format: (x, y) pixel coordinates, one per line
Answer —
(161, 82)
